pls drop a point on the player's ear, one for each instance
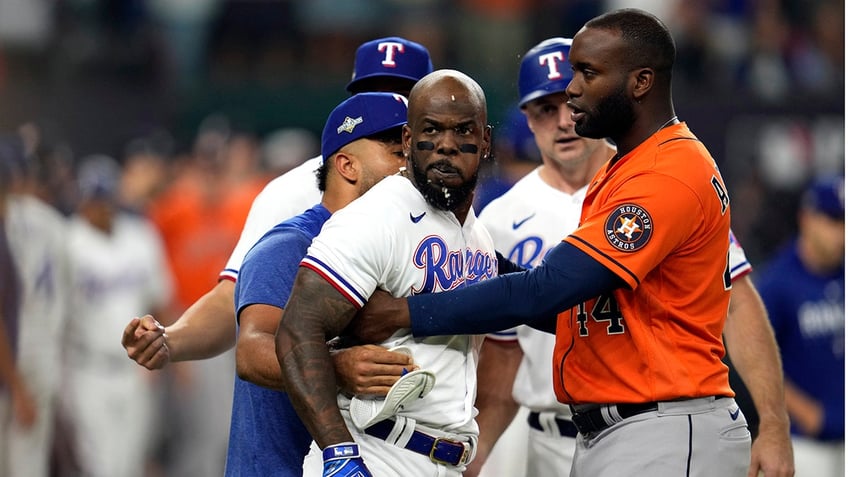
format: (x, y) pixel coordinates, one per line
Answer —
(346, 166)
(643, 81)
(487, 141)
(406, 139)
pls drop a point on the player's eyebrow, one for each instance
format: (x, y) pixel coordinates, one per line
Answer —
(579, 66)
(469, 123)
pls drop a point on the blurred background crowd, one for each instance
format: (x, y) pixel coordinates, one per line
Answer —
(761, 81)
(199, 103)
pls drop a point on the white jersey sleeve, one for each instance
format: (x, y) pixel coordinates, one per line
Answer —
(739, 265)
(284, 197)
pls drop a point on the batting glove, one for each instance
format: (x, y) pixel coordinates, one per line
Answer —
(343, 460)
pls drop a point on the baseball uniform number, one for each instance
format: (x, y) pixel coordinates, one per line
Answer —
(605, 308)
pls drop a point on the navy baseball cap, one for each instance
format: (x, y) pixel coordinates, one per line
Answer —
(98, 177)
(826, 194)
(12, 156)
(10, 167)
(391, 56)
(360, 116)
(544, 70)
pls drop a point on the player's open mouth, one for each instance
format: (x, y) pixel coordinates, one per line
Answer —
(576, 113)
(444, 173)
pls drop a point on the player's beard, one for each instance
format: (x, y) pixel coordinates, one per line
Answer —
(438, 195)
(613, 116)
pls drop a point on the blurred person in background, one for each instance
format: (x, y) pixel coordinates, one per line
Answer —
(144, 174)
(37, 236)
(17, 407)
(803, 288)
(284, 149)
(117, 263)
(52, 174)
(17, 404)
(200, 215)
(795, 49)
(244, 176)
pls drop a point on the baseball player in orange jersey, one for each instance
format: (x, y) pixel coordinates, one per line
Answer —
(618, 224)
(525, 223)
(638, 351)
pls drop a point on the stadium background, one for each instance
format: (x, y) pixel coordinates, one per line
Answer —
(761, 82)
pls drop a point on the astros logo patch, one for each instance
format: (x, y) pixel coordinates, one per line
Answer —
(629, 227)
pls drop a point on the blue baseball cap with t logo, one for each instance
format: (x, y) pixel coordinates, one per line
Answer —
(390, 57)
(360, 116)
(544, 70)
(826, 194)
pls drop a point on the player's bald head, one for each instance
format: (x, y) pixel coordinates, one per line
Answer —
(447, 88)
(446, 138)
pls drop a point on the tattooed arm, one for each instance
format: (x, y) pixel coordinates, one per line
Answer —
(315, 312)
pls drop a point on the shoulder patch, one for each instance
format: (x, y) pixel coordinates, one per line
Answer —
(629, 227)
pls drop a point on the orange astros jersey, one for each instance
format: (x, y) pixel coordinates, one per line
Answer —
(659, 218)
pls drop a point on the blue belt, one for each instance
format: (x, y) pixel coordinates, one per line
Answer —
(566, 427)
(438, 449)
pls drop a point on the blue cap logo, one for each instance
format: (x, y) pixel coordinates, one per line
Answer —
(348, 124)
(392, 57)
(359, 116)
(544, 70)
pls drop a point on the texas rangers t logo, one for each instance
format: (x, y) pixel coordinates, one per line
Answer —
(390, 47)
(629, 228)
(550, 59)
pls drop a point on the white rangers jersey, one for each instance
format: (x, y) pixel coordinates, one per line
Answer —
(113, 275)
(739, 265)
(391, 238)
(525, 222)
(284, 197)
(37, 238)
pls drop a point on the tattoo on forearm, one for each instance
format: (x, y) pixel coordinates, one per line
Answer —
(315, 312)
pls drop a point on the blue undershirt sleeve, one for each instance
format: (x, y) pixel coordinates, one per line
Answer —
(566, 277)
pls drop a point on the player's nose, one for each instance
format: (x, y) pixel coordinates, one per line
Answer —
(448, 143)
(564, 120)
